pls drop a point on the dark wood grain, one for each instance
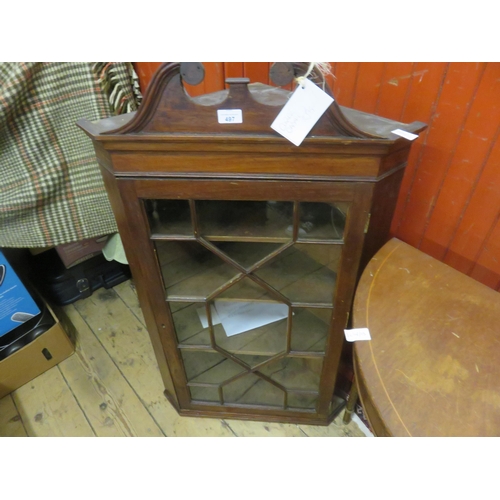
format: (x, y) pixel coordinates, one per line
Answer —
(174, 149)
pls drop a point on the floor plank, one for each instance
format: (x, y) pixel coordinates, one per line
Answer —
(48, 408)
(127, 342)
(110, 404)
(336, 429)
(244, 428)
(11, 424)
(126, 291)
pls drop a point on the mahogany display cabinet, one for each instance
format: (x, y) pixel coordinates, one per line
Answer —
(245, 249)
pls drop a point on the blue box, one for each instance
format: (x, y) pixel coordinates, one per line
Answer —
(16, 304)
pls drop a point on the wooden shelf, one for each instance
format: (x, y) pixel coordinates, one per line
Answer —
(236, 221)
(169, 217)
(322, 221)
(249, 220)
(303, 274)
(309, 331)
(295, 380)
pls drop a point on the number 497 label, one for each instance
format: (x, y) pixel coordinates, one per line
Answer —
(230, 116)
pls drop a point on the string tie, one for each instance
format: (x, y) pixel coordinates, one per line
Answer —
(324, 69)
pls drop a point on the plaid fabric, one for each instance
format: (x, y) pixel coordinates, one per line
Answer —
(51, 190)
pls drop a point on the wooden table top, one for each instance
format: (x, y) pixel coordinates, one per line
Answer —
(432, 367)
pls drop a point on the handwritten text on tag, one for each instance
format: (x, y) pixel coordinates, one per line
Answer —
(357, 334)
(299, 115)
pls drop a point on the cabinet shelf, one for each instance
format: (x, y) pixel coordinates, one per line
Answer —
(308, 333)
(156, 236)
(301, 274)
(246, 221)
(280, 382)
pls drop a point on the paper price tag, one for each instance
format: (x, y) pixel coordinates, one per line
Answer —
(230, 116)
(299, 115)
(357, 334)
(405, 134)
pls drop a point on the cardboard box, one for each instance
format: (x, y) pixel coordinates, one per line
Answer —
(73, 253)
(46, 351)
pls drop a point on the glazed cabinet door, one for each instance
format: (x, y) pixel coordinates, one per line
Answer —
(251, 283)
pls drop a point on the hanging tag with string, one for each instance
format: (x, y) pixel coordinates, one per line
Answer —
(304, 108)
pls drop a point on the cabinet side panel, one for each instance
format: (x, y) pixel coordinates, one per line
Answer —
(385, 197)
(137, 272)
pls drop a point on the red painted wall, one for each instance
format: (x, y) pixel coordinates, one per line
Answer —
(449, 204)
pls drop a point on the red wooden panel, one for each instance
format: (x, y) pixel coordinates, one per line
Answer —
(331, 78)
(466, 163)
(487, 267)
(443, 136)
(370, 75)
(257, 71)
(393, 90)
(420, 106)
(145, 71)
(214, 77)
(213, 82)
(480, 215)
(344, 84)
(233, 69)
(425, 84)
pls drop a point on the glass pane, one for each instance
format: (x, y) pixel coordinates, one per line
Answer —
(252, 390)
(247, 289)
(252, 360)
(247, 254)
(299, 374)
(176, 306)
(204, 394)
(302, 400)
(190, 270)
(267, 340)
(260, 320)
(310, 329)
(189, 328)
(304, 273)
(245, 220)
(322, 221)
(169, 217)
(205, 367)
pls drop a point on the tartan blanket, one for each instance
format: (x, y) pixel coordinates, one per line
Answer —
(51, 190)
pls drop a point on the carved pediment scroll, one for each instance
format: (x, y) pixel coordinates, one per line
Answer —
(168, 109)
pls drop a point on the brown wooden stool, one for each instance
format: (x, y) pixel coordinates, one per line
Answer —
(432, 367)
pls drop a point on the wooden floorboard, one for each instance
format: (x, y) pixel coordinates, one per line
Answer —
(49, 409)
(127, 342)
(11, 424)
(111, 386)
(336, 429)
(106, 397)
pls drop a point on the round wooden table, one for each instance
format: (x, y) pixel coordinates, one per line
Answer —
(432, 367)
